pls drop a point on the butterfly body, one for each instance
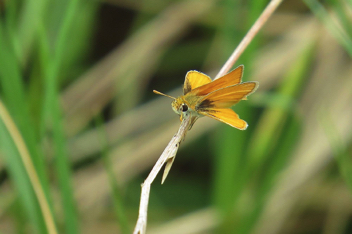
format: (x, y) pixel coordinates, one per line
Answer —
(187, 105)
(204, 97)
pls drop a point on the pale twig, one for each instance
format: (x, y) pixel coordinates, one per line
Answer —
(268, 11)
(168, 154)
(171, 149)
(30, 169)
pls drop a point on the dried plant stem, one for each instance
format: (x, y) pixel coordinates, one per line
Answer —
(268, 11)
(169, 153)
(28, 165)
(171, 149)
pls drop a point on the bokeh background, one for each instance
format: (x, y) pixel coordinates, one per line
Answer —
(76, 78)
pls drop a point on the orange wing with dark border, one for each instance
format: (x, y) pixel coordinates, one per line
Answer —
(195, 79)
(232, 78)
(227, 97)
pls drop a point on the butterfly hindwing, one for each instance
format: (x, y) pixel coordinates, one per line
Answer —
(227, 97)
(232, 78)
(227, 116)
(193, 80)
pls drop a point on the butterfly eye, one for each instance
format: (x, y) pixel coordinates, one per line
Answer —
(184, 108)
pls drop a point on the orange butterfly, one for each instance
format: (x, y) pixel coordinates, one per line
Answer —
(204, 97)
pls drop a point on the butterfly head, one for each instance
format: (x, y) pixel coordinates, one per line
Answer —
(182, 108)
(179, 105)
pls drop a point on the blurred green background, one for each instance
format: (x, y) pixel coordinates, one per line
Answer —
(81, 128)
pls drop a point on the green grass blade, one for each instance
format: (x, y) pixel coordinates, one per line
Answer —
(63, 171)
(263, 148)
(273, 119)
(283, 152)
(19, 145)
(341, 14)
(20, 181)
(13, 93)
(231, 144)
(30, 17)
(230, 148)
(51, 115)
(339, 148)
(53, 67)
(117, 197)
(336, 31)
(227, 166)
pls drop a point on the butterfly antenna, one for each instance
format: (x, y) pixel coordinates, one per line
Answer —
(157, 92)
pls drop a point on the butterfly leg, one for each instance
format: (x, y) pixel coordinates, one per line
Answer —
(193, 120)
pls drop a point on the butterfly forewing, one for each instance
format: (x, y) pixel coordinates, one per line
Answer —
(227, 116)
(232, 78)
(193, 80)
(227, 97)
